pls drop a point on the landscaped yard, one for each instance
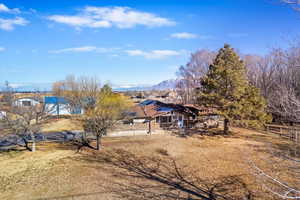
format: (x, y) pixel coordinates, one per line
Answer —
(134, 168)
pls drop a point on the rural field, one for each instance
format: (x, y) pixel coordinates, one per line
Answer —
(144, 167)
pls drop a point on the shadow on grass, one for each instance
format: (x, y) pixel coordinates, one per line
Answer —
(12, 152)
(184, 133)
(161, 177)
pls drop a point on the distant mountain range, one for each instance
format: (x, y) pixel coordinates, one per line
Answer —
(46, 87)
(29, 87)
(165, 85)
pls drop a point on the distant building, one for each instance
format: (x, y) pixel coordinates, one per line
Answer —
(27, 101)
(59, 106)
(2, 114)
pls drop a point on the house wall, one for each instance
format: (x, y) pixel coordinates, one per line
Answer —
(139, 120)
(61, 109)
(173, 119)
(136, 126)
(57, 109)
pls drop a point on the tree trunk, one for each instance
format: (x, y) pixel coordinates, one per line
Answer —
(37, 119)
(226, 126)
(98, 142)
(149, 128)
(33, 141)
(26, 144)
(99, 136)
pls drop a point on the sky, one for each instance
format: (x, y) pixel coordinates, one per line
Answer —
(130, 42)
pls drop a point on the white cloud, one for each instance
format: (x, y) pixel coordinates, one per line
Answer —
(78, 21)
(155, 54)
(184, 35)
(105, 17)
(2, 49)
(85, 49)
(9, 24)
(4, 8)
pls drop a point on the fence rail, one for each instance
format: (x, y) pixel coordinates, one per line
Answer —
(290, 132)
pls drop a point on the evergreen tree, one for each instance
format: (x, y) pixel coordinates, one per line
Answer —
(225, 87)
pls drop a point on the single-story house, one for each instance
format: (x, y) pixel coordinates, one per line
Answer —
(163, 115)
(27, 101)
(59, 106)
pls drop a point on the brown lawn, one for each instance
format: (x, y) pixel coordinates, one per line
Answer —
(62, 124)
(127, 168)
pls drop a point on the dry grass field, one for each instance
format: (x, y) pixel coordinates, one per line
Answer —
(142, 167)
(62, 124)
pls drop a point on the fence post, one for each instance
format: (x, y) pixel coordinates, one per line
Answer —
(280, 131)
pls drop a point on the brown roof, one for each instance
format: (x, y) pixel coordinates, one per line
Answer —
(145, 111)
(201, 109)
(159, 108)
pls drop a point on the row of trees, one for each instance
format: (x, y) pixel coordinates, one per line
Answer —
(276, 75)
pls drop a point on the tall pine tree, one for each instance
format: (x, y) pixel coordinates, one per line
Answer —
(226, 88)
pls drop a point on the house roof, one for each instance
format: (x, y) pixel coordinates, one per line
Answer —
(55, 100)
(153, 108)
(32, 98)
(201, 109)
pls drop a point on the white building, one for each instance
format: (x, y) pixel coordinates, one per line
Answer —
(59, 106)
(2, 114)
(27, 101)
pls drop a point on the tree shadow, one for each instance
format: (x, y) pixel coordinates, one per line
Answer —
(161, 177)
(214, 132)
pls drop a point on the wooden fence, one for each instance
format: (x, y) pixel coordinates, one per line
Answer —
(290, 132)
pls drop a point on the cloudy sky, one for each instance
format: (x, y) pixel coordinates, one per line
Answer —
(130, 42)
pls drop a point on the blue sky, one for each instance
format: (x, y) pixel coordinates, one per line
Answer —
(130, 42)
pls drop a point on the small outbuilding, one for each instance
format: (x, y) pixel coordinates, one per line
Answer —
(27, 101)
(59, 106)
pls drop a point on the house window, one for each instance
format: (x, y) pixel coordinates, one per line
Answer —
(26, 103)
(157, 119)
(180, 118)
(175, 117)
(163, 119)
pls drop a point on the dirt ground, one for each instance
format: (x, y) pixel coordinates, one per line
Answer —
(137, 167)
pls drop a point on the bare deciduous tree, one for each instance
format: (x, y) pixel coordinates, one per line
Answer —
(79, 92)
(108, 109)
(277, 75)
(25, 121)
(7, 94)
(189, 76)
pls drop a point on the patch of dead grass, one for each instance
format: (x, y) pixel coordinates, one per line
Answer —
(61, 125)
